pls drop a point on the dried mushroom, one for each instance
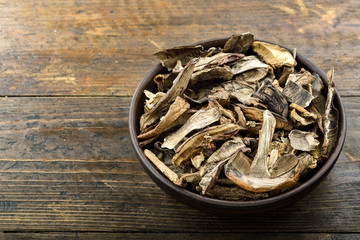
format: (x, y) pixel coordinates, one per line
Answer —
(242, 122)
(184, 54)
(198, 120)
(330, 119)
(273, 54)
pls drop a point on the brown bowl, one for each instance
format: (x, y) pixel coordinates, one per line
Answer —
(225, 207)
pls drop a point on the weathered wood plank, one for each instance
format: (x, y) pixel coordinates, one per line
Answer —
(156, 236)
(67, 165)
(104, 47)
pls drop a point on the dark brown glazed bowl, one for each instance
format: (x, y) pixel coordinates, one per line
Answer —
(224, 207)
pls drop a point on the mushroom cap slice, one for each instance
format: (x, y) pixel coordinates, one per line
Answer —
(170, 57)
(239, 43)
(273, 54)
(198, 120)
(302, 140)
(199, 141)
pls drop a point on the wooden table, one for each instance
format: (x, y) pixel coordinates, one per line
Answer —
(68, 70)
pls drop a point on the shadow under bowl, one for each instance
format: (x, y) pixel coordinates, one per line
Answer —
(225, 207)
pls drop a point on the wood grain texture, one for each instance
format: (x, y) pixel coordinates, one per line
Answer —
(175, 236)
(104, 47)
(67, 164)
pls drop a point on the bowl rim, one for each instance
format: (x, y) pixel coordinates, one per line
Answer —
(233, 204)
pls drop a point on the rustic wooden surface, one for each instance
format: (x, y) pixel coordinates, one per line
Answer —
(68, 70)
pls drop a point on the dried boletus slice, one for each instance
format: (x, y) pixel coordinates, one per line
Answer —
(209, 74)
(302, 140)
(170, 57)
(301, 116)
(256, 177)
(176, 110)
(180, 84)
(198, 120)
(330, 119)
(297, 94)
(273, 55)
(153, 98)
(248, 63)
(202, 140)
(253, 113)
(162, 167)
(272, 98)
(239, 43)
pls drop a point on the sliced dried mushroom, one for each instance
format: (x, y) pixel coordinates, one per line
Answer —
(272, 98)
(197, 160)
(317, 86)
(306, 163)
(330, 119)
(296, 94)
(209, 74)
(256, 177)
(225, 59)
(239, 43)
(199, 120)
(210, 177)
(252, 76)
(162, 167)
(165, 81)
(218, 59)
(200, 140)
(273, 55)
(302, 140)
(227, 149)
(178, 88)
(283, 164)
(169, 57)
(304, 78)
(175, 110)
(225, 112)
(248, 63)
(241, 120)
(252, 113)
(285, 73)
(193, 178)
(153, 98)
(241, 92)
(301, 115)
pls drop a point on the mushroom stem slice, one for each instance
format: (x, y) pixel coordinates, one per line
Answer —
(162, 167)
(330, 119)
(259, 166)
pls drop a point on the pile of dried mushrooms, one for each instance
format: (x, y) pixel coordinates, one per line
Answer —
(239, 122)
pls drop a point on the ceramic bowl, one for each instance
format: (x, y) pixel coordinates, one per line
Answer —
(224, 207)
